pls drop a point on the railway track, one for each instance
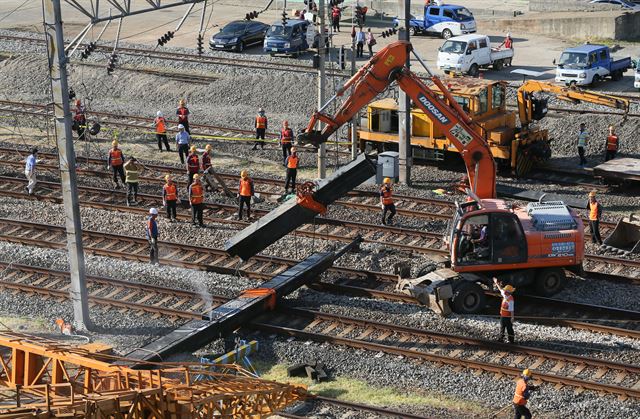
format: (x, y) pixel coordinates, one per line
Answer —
(344, 280)
(550, 366)
(400, 238)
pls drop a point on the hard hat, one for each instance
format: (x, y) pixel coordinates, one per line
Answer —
(293, 149)
(78, 102)
(182, 102)
(153, 211)
(285, 122)
(592, 193)
(208, 147)
(526, 373)
(167, 177)
(508, 34)
(509, 288)
(260, 110)
(114, 143)
(244, 174)
(193, 148)
(387, 180)
(180, 126)
(196, 176)
(159, 114)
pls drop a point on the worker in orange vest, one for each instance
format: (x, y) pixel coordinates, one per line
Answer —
(507, 311)
(612, 144)
(386, 202)
(152, 236)
(196, 198)
(292, 170)
(595, 212)
(161, 131)
(286, 141)
(193, 163)
(116, 162)
(522, 394)
(170, 198)
(261, 129)
(245, 192)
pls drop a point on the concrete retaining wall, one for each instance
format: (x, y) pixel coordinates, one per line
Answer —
(608, 25)
(567, 6)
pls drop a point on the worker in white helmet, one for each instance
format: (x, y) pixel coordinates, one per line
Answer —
(152, 235)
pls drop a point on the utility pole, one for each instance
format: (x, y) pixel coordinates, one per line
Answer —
(66, 155)
(322, 150)
(404, 102)
(354, 120)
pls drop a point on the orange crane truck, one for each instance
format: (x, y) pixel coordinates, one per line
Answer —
(529, 247)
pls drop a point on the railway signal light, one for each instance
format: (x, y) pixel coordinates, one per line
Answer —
(251, 15)
(165, 38)
(88, 50)
(284, 18)
(200, 47)
(389, 32)
(113, 60)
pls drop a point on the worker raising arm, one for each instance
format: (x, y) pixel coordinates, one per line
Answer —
(506, 311)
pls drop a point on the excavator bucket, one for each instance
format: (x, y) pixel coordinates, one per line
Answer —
(626, 236)
(314, 138)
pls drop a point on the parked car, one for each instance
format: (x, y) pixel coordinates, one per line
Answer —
(290, 39)
(466, 54)
(636, 82)
(588, 65)
(445, 20)
(238, 35)
(622, 3)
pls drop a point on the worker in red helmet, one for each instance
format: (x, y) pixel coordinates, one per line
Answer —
(79, 119)
(386, 202)
(506, 311)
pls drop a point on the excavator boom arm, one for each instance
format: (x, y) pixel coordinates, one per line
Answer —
(385, 67)
(570, 94)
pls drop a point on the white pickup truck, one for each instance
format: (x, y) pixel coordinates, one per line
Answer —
(466, 54)
(636, 82)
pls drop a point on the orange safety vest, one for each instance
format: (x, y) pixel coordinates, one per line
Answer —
(197, 193)
(171, 192)
(292, 162)
(518, 398)
(386, 195)
(193, 164)
(160, 125)
(261, 122)
(504, 307)
(593, 211)
(116, 157)
(612, 142)
(286, 135)
(245, 187)
(206, 161)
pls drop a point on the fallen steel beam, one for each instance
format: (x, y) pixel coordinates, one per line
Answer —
(233, 314)
(291, 215)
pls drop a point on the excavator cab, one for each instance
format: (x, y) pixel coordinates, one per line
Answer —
(486, 235)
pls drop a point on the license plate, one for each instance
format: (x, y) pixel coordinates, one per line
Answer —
(274, 49)
(219, 46)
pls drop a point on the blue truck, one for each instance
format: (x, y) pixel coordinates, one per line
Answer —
(446, 20)
(588, 65)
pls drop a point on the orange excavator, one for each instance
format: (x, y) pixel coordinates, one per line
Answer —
(528, 247)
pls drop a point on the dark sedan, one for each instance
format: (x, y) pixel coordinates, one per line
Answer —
(238, 35)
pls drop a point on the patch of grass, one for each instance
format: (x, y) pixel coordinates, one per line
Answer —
(25, 324)
(359, 391)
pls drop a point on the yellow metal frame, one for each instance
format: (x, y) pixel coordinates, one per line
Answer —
(44, 378)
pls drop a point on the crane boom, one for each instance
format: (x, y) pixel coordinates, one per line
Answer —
(374, 77)
(570, 94)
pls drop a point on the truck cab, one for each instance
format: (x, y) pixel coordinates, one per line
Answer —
(466, 54)
(588, 65)
(289, 39)
(446, 20)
